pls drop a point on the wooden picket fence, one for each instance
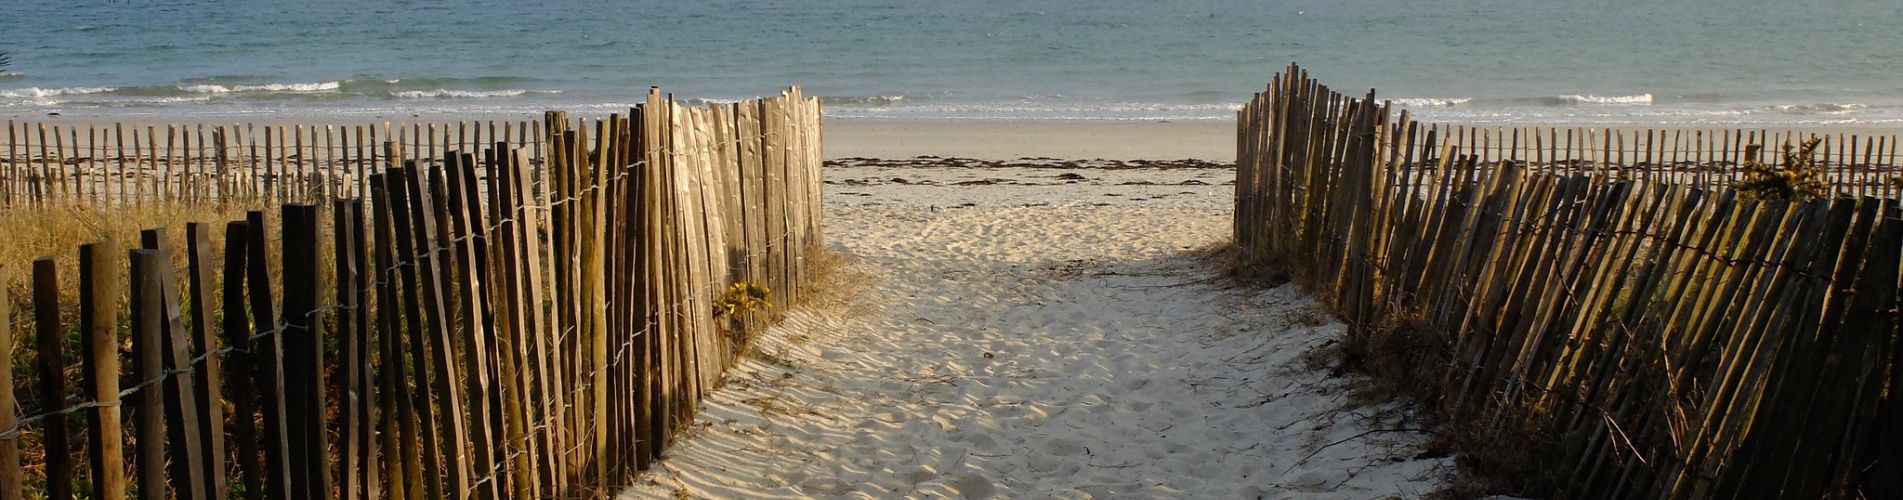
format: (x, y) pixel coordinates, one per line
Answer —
(161, 163)
(486, 324)
(1704, 158)
(1654, 338)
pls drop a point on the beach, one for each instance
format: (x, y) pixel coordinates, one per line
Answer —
(1342, 249)
(1037, 308)
(1044, 331)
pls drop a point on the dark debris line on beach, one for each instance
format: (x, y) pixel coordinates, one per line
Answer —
(1028, 162)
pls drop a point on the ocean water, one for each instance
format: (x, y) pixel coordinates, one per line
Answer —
(1479, 61)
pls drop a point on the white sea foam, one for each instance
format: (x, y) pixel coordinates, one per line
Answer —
(705, 101)
(1433, 102)
(268, 87)
(1643, 99)
(876, 100)
(163, 100)
(39, 93)
(290, 87)
(205, 89)
(1819, 109)
(447, 93)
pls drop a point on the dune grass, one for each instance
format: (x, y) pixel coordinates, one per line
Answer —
(56, 230)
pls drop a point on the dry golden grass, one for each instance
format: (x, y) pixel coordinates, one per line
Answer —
(1238, 267)
(58, 229)
(838, 281)
(837, 285)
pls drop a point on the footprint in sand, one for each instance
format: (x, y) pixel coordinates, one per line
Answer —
(1313, 481)
(923, 474)
(1202, 465)
(974, 486)
(826, 486)
(980, 441)
(1048, 466)
(1064, 447)
(775, 479)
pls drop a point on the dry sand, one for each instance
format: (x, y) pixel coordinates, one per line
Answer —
(1214, 141)
(1036, 332)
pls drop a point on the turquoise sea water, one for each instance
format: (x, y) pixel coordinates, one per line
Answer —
(1595, 61)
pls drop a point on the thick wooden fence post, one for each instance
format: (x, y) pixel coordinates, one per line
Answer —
(431, 339)
(209, 387)
(648, 419)
(511, 318)
(52, 383)
(558, 185)
(594, 291)
(640, 301)
(148, 326)
(358, 465)
(303, 373)
(237, 331)
(461, 210)
(536, 329)
(267, 360)
(400, 436)
(179, 389)
(100, 292)
(10, 487)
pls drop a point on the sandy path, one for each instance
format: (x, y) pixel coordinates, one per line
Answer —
(1039, 337)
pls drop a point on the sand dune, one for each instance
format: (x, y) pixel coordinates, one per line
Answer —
(1041, 336)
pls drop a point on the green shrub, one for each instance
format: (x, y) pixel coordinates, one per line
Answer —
(1796, 178)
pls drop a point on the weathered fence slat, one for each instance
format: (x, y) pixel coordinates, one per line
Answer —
(51, 368)
(179, 387)
(244, 395)
(304, 352)
(100, 290)
(208, 389)
(10, 471)
(148, 327)
(357, 465)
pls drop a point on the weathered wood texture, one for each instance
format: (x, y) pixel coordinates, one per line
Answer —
(1660, 335)
(507, 322)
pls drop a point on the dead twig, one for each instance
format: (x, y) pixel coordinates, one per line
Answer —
(1347, 439)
